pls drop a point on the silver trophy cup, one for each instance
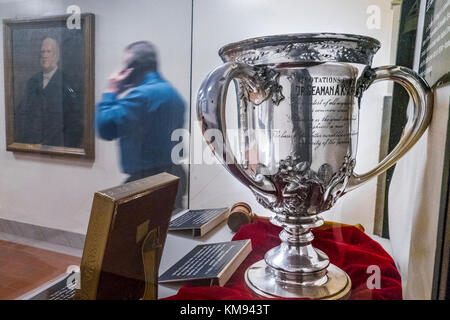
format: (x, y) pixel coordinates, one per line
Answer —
(298, 115)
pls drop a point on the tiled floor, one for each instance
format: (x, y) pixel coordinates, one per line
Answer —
(24, 268)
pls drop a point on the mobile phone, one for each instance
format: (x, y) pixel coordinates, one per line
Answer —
(133, 78)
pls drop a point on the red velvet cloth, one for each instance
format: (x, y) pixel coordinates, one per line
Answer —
(347, 247)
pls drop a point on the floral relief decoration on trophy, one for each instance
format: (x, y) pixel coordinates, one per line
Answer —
(302, 191)
(262, 86)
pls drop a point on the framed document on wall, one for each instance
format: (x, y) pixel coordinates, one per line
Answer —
(435, 51)
(434, 67)
(49, 85)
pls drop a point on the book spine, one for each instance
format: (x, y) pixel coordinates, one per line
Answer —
(96, 240)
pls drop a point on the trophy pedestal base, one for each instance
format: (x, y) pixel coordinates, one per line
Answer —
(261, 280)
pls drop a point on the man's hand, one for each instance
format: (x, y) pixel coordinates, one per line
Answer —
(116, 80)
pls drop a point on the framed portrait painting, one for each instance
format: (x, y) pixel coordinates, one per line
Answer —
(49, 85)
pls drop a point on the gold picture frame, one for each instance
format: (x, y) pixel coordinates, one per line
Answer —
(64, 124)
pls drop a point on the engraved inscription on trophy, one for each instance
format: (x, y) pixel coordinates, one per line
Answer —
(322, 118)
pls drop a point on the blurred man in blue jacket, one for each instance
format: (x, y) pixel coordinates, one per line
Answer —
(142, 109)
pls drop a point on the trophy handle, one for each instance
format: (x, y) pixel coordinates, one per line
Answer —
(422, 98)
(211, 104)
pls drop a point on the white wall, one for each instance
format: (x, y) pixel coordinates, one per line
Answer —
(57, 193)
(218, 22)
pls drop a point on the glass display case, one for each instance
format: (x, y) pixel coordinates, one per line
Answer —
(99, 94)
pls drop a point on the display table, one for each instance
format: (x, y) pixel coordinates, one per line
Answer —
(347, 247)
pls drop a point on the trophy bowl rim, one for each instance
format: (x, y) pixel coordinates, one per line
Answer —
(254, 43)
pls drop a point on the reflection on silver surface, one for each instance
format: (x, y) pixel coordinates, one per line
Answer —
(298, 105)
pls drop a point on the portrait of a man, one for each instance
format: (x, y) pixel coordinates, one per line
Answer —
(49, 86)
(50, 112)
